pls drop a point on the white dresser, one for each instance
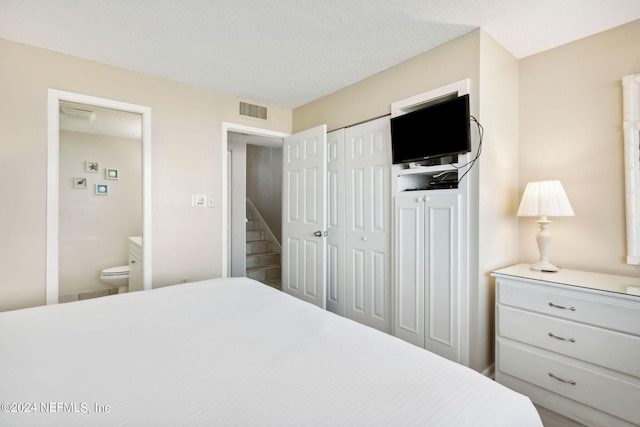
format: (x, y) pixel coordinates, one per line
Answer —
(570, 341)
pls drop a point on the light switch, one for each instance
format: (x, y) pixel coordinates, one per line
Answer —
(211, 202)
(198, 200)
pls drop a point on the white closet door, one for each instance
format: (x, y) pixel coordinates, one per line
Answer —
(409, 268)
(335, 222)
(442, 276)
(427, 276)
(304, 215)
(368, 211)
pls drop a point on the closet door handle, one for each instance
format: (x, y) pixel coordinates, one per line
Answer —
(562, 307)
(561, 338)
(321, 233)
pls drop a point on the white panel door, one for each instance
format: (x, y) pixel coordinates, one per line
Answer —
(442, 277)
(427, 276)
(368, 211)
(304, 215)
(335, 222)
(409, 268)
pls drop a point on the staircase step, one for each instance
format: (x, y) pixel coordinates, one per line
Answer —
(253, 224)
(261, 260)
(259, 247)
(262, 263)
(256, 235)
(262, 274)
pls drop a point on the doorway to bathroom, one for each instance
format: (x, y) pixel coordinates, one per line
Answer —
(99, 196)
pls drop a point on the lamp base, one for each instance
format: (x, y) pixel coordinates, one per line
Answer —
(543, 237)
(544, 266)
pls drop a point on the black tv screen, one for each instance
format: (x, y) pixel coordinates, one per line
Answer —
(437, 130)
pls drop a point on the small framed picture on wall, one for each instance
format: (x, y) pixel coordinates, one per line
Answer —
(92, 167)
(80, 183)
(102, 189)
(111, 174)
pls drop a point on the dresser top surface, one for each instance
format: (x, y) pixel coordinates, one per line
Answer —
(625, 285)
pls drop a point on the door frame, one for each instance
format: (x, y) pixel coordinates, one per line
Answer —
(226, 221)
(53, 143)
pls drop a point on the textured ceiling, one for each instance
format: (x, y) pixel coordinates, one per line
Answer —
(290, 52)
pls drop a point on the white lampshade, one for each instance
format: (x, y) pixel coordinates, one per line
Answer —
(545, 198)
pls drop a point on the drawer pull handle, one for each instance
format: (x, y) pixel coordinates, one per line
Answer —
(562, 307)
(561, 338)
(572, 382)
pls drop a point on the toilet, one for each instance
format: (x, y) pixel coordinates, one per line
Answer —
(117, 277)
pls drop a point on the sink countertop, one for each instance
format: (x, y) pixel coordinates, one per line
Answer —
(136, 240)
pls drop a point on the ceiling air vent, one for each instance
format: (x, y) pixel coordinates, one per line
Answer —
(251, 110)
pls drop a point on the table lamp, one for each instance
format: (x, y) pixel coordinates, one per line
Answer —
(544, 199)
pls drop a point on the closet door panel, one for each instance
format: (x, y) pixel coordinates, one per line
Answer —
(379, 268)
(356, 206)
(442, 275)
(336, 252)
(367, 204)
(409, 269)
(358, 308)
(379, 208)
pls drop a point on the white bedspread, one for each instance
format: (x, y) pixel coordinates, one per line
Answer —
(230, 352)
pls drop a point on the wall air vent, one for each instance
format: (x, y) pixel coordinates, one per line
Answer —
(251, 110)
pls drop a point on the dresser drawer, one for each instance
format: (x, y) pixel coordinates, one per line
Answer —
(614, 350)
(594, 388)
(606, 312)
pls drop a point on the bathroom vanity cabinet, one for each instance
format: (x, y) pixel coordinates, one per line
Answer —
(135, 264)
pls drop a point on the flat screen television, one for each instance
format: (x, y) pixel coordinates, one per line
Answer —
(438, 130)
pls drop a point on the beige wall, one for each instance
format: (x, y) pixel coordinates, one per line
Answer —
(186, 159)
(570, 129)
(497, 187)
(94, 229)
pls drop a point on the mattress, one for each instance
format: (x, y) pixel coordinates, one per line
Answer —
(230, 352)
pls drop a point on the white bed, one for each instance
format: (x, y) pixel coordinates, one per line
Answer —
(230, 352)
